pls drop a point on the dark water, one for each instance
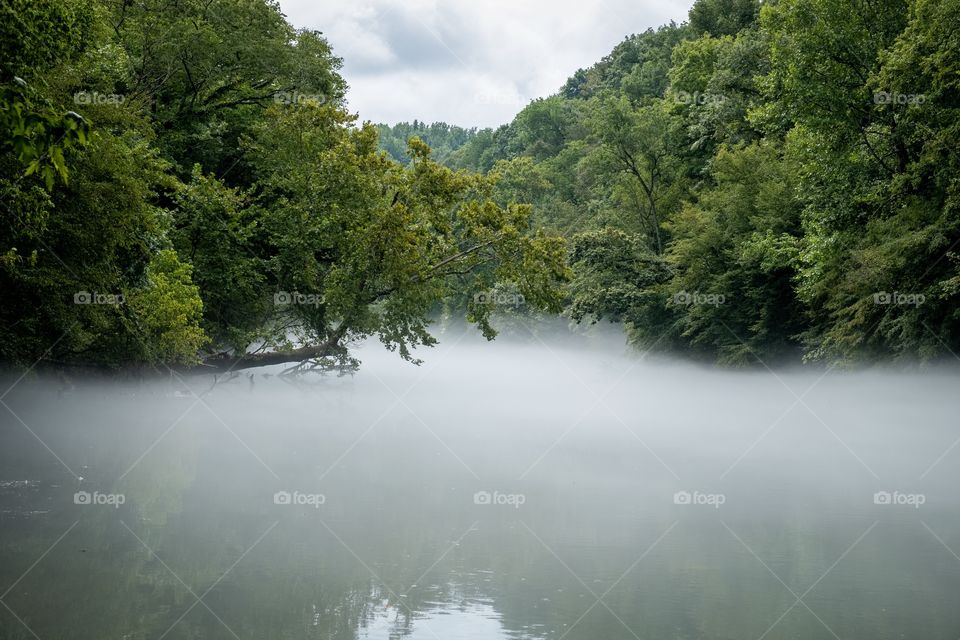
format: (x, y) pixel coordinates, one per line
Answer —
(583, 453)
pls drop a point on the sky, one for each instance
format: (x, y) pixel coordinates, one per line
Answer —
(469, 62)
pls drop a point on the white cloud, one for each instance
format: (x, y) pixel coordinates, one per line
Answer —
(466, 62)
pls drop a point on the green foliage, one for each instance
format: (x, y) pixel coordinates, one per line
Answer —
(378, 244)
(734, 257)
(637, 67)
(216, 229)
(544, 126)
(714, 84)
(167, 312)
(208, 69)
(77, 256)
(764, 182)
(38, 136)
(639, 149)
(618, 278)
(796, 159)
(442, 138)
(34, 36)
(216, 183)
(722, 17)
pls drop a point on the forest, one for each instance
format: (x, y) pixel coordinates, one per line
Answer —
(183, 185)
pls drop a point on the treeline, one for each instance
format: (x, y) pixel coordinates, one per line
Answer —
(442, 138)
(181, 184)
(775, 180)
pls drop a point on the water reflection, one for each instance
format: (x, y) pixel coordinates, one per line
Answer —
(395, 519)
(456, 618)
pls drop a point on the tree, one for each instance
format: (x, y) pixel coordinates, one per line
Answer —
(217, 229)
(734, 256)
(442, 138)
(722, 17)
(619, 279)
(356, 245)
(641, 144)
(209, 68)
(878, 218)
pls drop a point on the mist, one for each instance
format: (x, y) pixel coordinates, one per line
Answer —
(548, 484)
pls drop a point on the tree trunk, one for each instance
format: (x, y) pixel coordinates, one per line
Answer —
(221, 364)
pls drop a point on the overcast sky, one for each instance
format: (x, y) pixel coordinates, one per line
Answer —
(469, 62)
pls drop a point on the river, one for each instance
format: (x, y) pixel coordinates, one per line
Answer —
(551, 487)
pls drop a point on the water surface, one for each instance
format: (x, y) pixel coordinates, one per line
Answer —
(547, 488)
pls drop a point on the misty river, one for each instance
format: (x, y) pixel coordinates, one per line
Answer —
(540, 486)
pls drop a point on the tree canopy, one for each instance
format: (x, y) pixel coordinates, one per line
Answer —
(765, 181)
(183, 184)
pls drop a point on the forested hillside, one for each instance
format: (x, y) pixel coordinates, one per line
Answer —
(183, 184)
(442, 138)
(758, 182)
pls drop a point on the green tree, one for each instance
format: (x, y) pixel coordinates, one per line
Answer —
(358, 245)
(619, 279)
(734, 258)
(722, 17)
(640, 147)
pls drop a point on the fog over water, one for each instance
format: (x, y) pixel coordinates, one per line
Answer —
(544, 485)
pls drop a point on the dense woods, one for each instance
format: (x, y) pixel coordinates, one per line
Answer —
(442, 138)
(182, 184)
(764, 181)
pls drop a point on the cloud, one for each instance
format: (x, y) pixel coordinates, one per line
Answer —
(465, 62)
